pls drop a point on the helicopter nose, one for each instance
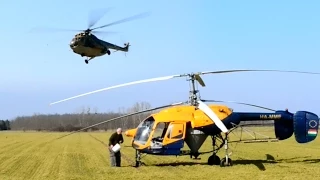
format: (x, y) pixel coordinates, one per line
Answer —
(73, 43)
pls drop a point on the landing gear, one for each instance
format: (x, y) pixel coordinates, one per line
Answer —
(87, 60)
(138, 159)
(105, 50)
(214, 159)
(226, 161)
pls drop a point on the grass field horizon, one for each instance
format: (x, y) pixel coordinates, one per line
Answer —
(83, 155)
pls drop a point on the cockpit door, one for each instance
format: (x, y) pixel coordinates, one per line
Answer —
(175, 135)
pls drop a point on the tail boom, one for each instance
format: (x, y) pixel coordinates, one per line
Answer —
(303, 124)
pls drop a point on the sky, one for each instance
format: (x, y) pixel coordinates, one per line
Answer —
(180, 36)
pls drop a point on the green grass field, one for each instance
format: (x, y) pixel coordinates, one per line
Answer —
(33, 155)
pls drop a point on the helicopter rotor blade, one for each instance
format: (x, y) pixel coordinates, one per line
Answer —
(127, 115)
(138, 16)
(120, 85)
(235, 102)
(95, 15)
(51, 29)
(199, 79)
(104, 32)
(247, 70)
(170, 77)
(206, 109)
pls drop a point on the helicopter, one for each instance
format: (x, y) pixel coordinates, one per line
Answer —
(85, 43)
(164, 133)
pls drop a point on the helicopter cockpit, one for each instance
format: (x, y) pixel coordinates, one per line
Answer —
(143, 131)
(83, 40)
(162, 133)
(158, 134)
(145, 128)
(76, 40)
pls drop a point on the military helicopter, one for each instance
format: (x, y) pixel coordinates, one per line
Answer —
(85, 43)
(192, 121)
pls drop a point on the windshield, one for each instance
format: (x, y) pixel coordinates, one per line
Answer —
(143, 131)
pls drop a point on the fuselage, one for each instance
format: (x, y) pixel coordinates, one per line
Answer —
(165, 132)
(174, 126)
(87, 45)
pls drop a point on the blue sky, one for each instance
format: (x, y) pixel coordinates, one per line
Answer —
(179, 37)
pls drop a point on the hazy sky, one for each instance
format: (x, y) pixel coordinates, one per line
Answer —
(180, 36)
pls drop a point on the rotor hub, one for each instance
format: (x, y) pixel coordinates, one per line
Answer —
(87, 32)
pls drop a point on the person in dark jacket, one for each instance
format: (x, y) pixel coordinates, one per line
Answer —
(115, 138)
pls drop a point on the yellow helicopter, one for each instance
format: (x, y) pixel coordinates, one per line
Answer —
(192, 121)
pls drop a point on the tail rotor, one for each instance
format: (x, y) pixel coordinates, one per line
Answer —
(126, 46)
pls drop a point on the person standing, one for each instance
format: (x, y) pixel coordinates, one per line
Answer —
(115, 138)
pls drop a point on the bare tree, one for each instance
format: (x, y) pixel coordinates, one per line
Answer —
(86, 117)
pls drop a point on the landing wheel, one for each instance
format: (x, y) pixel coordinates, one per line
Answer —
(213, 160)
(224, 162)
(108, 52)
(86, 61)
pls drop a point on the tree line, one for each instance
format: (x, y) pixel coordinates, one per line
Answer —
(4, 125)
(86, 117)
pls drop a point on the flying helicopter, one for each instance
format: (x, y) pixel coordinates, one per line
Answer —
(85, 43)
(164, 133)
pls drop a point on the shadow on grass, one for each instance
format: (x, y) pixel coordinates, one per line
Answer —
(299, 160)
(312, 161)
(259, 163)
(271, 160)
(180, 164)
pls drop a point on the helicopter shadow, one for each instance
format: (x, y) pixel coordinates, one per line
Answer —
(259, 163)
(271, 160)
(180, 164)
(311, 161)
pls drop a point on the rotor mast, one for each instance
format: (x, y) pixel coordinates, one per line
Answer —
(193, 93)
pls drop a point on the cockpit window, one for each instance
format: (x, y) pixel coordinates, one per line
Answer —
(175, 131)
(160, 130)
(169, 131)
(148, 122)
(143, 131)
